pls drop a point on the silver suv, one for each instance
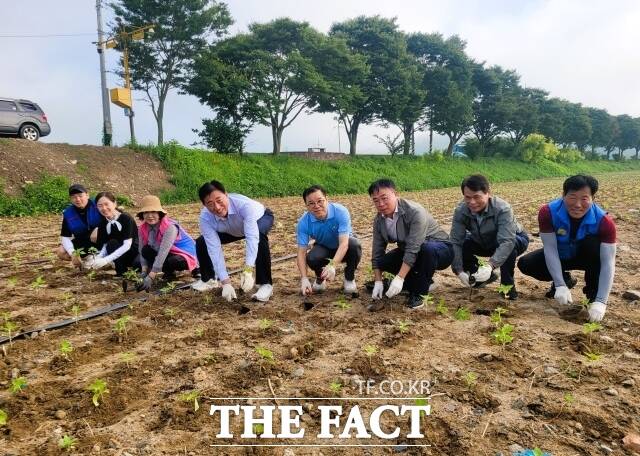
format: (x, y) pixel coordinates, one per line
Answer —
(23, 118)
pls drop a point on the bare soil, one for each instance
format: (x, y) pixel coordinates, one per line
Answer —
(184, 341)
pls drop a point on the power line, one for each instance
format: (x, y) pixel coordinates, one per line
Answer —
(52, 35)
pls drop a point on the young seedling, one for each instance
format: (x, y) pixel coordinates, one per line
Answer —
(427, 300)
(462, 314)
(76, 312)
(370, 350)
(127, 358)
(199, 332)
(6, 316)
(496, 316)
(470, 378)
(584, 303)
(481, 261)
(121, 325)
(66, 348)
(342, 303)
(38, 283)
(265, 324)
(441, 307)
(592, 356)
(169, 287)
(502, 335)
(403, 326)
(78, 253)
(99, 389)
(10, 329)
(67, 443)
(170, 312)
(192, 396)
(266, 356)
(93, 251)
(3, 417)
(132, 276)
(388, 276)
(18, 385)
(335, 387)
(589, 328)
(91, 275)
(504, 290)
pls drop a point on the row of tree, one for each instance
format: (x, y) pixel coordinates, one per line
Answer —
(364, 70)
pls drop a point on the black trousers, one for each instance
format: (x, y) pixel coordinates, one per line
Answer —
(263, 259)
(433, 255)
(126, 261)
(318, 258)
(587, 259)
(172, 262)
(470, 249)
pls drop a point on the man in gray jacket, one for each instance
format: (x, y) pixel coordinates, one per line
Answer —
(423, 247)
(484, 225)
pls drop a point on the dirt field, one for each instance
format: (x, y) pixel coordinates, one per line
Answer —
(538, 391)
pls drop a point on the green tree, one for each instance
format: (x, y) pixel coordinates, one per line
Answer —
(181, 29)
(628, 136)
(576, 126)
(223, 135)
(525, 114)
(603, 129)
(551, 117)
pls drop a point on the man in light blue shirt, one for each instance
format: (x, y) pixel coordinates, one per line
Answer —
(329, 224)
(228, 218)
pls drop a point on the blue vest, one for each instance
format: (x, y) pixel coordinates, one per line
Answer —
(76, 223)
(567, 248)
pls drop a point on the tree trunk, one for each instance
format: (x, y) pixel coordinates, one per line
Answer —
(352, 135)
(159, 119)
(407, 130)
(430, 139)
(637, 149)
(452, 143)
(276, 134)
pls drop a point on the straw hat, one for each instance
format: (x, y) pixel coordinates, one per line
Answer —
(150, 203)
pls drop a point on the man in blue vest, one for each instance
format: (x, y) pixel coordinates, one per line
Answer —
(79, 226)
(576, 234)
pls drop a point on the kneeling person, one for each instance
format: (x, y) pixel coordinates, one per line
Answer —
(576, 234)
(229, 218)
(484, 225)
(329, 225)
(423, 246)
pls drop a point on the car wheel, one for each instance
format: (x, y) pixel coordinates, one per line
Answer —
(29, 132)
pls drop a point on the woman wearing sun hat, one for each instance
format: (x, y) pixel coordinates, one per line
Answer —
(164, 246)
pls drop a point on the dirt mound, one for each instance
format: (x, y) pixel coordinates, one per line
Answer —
(118, 169)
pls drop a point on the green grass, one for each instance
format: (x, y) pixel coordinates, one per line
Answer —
(259, 175)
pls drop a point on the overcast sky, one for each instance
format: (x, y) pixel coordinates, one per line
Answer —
(583, 50)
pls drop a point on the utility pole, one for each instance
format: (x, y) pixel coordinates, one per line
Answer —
(107, 131)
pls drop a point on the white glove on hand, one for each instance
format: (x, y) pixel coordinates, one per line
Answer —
(247, 281)
(228, 292)
(464, 278)
(378, 288)
(99, 263)
(305, 286)
(483, 273)
(328, 273)
(596, 311)
(563, 295)
(395, 287)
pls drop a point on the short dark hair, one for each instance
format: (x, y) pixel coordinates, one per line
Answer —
(209, 187)
(580, 181)
(110, 196)
(77, 188)
(313, 189)
(475, 183)
(378, 185)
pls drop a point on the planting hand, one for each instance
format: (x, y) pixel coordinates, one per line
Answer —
(596, 311)
(146, 284)
(247, 281)
(228, 292)
(378, 288)
(305, 286)
(483, 273)
(395, 287)
(99, 263)
(563, 295)
(76, 261)
(464, 278)
(328, 273)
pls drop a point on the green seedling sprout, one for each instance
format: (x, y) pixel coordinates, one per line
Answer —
(481, 261)
(91, 275)
(584, 303)
(370, 350)
(265, 354)
(99, 389)
(265, 324)
(66, 297)
(589, 328)
(6, 316)
(592, 356)
(38, 283)
(427, 300)
(66, 348)
(504, 290)
(441, 307)
(93, 251)
(67, 443)
(568, 398)
(335, 387)
(76, 312)
(78, 253)
(127, 358)
(502, 335)
(121, 325)
(387, 275)
(3, 417)
(462, 314)
(10, 329)
(132, 276)
(199, 332)
(403, 326)
(169, 287)
(18, 385)
(496, 315)
(470, 378)
(342, 303)
(191, 396)
(170, 312)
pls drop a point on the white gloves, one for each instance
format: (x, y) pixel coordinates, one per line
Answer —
(395, 287)
(228, 292)
(378, 288)
(247, 281)
(563, 296)
(328, 273)
(483, 273)
(99, 263)
(464, 278)
(305, 286)
(596, 311)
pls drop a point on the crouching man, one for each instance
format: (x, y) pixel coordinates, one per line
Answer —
(576, 234)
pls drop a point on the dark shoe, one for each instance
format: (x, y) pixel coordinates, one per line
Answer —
(512, 295)
(569, 281)
(376, 305)
(492, 278)
(414, 301)
(195, 273)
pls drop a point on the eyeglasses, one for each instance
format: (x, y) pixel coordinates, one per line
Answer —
(318, 203)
